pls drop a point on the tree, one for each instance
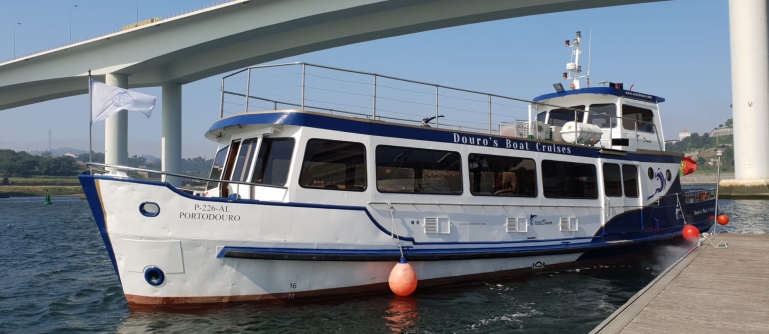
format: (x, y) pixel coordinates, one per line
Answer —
(728, 123)
(4, 182)
(701, 161)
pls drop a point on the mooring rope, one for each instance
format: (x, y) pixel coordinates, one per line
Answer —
(392, 233)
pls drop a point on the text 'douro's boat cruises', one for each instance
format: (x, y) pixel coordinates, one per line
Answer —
(323, 194)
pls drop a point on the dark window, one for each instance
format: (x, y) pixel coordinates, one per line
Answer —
(413, 170)
(492, 175)
(632, 115)
(334, 165)
(630, 179)
(273, 161)
(600, 115)
(216, 169)
(559, 117)
(562, 179)
(612, 180)
(541, 117)
(243, 161)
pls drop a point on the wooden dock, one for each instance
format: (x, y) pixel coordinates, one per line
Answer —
(708, 290)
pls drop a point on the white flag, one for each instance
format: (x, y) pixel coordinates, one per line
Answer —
(107, 100)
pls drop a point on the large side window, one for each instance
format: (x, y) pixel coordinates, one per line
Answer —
(273, 161)
(612, 180)
(243, 161)
(414, 170)
(334, 165)
(559, 117)
(632, 115)
(603, 115)
(630, 179)
(562, 179)
(492, 175)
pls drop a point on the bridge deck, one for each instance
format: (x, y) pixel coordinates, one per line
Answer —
(708, 290)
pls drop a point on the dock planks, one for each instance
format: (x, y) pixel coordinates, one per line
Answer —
(708, 290)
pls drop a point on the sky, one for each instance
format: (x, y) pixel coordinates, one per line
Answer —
(677, 49)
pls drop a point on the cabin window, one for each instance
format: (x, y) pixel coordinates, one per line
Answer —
(334, 165)
(217, 168)
(559, 117)
(273, 161)
(604, 115)
(243, 161)
(630, 179)
(632, 115)
(541, 117)
(612, 180)
(562, 179)
(413, 170)
(492, 175)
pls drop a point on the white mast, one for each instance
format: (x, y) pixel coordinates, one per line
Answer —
(573, 69)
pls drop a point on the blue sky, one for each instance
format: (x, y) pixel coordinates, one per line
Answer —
(678, 50)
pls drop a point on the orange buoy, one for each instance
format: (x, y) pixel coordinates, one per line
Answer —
(690, 233)
(403, 279)
(723, 219)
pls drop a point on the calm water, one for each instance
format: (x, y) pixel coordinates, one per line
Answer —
(55, 276)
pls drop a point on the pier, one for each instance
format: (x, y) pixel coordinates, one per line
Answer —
(708, 290)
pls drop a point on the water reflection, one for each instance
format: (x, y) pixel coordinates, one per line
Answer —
(403, 314)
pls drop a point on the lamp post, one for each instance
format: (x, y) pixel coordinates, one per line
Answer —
(14, 38)
(718, 180)
(70, 22)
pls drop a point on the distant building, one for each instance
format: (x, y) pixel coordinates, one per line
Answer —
(684, 134)
(70, 155)
(722, 132)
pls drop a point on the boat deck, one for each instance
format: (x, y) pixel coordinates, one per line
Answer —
(708, 290)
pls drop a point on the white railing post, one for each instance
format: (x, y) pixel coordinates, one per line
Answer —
(221, 105)
(303, 69)
(489, 114)
(374, 112)
(248, 89)
(437, 111)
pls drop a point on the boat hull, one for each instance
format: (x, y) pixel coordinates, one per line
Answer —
(245, 250)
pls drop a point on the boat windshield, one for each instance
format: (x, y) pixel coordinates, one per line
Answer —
(217, 168)
(559, 117)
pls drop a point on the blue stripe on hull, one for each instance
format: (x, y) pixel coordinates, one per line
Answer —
(91, 194)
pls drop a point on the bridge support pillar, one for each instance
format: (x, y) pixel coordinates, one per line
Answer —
(749, 35)
(171, 159)
(116, 128)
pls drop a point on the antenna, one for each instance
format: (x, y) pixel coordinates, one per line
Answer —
(589, 52)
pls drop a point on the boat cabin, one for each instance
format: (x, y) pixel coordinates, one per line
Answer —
(627, 120)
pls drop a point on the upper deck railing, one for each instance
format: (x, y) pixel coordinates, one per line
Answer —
(375, 96)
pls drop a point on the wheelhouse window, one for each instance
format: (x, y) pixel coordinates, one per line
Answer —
(562, 179)
(217, 168)
(492, 175)
(273, 161)
(604, 115)
(630, 180)
(612, 180)
(632, 115)
(243, 160)
(334, 165)
(413, 170)
(559, 117)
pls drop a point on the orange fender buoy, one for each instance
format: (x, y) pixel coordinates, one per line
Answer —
(723, 219)
(690, 233)
(403, 279)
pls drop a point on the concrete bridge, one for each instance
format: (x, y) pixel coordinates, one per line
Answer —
(190, 47)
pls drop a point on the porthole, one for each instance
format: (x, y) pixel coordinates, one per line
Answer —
(651, 173)
(668, 175)
(149, 209)
(154, 276)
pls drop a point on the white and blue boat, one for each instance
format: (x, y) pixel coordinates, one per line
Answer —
(312, 201)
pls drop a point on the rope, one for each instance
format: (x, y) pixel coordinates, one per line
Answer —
(392, 221)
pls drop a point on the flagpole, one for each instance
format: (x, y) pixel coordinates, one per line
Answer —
(90, 119)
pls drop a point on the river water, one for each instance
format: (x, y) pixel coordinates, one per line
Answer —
(55, 276)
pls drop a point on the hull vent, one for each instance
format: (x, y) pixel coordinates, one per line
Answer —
(516, 225)
(437, 225)
(568, 224)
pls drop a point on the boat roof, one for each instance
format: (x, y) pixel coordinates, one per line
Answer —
(603, 90)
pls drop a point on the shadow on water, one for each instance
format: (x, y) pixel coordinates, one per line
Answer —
(58, 278)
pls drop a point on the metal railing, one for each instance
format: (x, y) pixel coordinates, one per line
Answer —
(113, 167)
(428, 114)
